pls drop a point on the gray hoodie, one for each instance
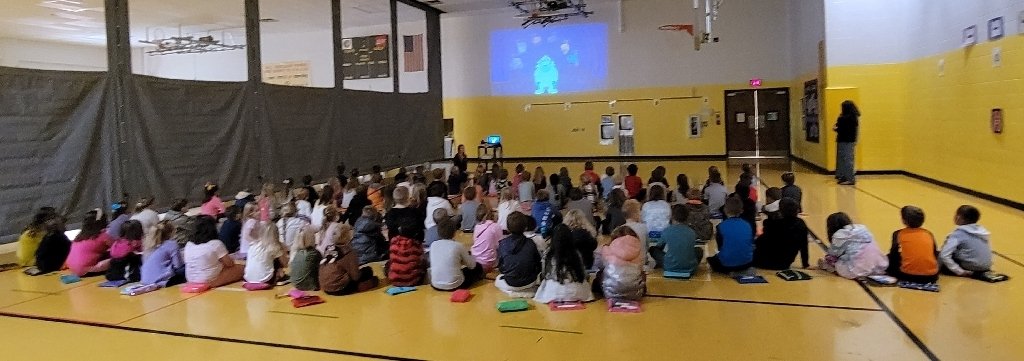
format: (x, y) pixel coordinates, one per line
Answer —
(967, 249)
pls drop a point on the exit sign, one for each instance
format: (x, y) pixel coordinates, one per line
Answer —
(755, 83)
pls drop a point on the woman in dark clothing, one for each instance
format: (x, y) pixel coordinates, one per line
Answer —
(783, 238)
(846, 139)
(461, 160)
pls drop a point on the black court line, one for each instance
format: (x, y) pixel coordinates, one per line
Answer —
(888, 311)
(158, 309)
(913, 337)
(542, 329)
(209, 338)
(302, 314)
(875, 196)
(35, 292)
(1003, 256)
(1016, 262)
(770, 303)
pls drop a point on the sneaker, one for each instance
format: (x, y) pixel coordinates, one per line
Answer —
(284, 281)
(847, 183)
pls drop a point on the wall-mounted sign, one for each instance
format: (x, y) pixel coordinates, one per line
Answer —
(997, 121)
(695, 126)
(970, 36)
(995, 28)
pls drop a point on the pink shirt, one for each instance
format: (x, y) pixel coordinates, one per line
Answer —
(485, 244)
(213, 208)
(623, 250)
(264, 204)
(87, 253)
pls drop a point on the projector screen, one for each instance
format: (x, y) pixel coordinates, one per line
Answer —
(550, 60)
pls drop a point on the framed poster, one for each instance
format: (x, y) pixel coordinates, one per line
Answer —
(811, 111)
(366, 57)
(741, 117)
(772, 116)
(695, 126)
(607, 129)
(625, 122)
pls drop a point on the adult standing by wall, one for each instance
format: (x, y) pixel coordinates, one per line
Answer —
(461, 160)
(846, 139)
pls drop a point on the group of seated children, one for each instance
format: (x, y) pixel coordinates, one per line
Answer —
(542, 240)
(914, 256)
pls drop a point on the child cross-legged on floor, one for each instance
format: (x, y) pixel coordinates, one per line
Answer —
(339, 271)
(518, 260)
(913, 253)
(967, 252)
(451, 265)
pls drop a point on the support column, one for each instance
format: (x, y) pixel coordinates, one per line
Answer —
(119, 72)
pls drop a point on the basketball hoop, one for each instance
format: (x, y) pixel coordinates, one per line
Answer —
(697, 40)
(677, 27)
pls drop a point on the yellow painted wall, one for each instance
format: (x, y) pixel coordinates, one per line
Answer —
(552, 131)
(949, 136)
(938, 126)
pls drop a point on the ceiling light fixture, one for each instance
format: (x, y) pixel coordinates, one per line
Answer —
(188, 45)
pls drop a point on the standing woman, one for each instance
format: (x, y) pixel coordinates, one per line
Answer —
(846, 137)
(461, 160)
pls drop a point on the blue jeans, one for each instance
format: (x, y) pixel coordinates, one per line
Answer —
(844, 161)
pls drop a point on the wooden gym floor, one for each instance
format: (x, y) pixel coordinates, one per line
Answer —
(710, 317)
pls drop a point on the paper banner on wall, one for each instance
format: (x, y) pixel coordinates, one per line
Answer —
(292, 73)
(695, 128)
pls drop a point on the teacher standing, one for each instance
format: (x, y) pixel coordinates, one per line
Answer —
(461, 160)
(846, 137)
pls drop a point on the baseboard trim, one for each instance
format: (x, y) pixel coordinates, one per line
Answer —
(632, 158)
(988, 197)
(806, 163)
(991, 198)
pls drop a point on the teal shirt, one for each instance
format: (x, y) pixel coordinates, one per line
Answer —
(679, 242)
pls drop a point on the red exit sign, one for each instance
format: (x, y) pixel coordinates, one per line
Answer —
(755, 83)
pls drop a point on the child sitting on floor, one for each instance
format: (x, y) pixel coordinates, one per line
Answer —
(613, 213)
(589, 188)
(563, 277)
(32, 236)
(405, 265)
(526, 188)
(206, 259)
(677, 249)
(125, 253)
(607, 182)
(291, 223)
(369, 242)
(772, 196)
(162, 265)
(967, 251)
(622, 276)
(53, 249)
(250, 221)
(305, 262)
(913, 253)
(699, 218)
(451, 265)
(735, 240)
(266, 260)
(518, 260)
(578, 202)
(852, 253)
(584, 236)
(544, 213)
(715, 193)
(791, 190)
(782, 240)
(339, 272)
(632, 182)
(468, 209)
(230, 232)
(430, 235)
(507, 205)
(89, 253)
(486, 235)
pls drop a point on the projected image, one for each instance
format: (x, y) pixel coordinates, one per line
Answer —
(551, 60)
